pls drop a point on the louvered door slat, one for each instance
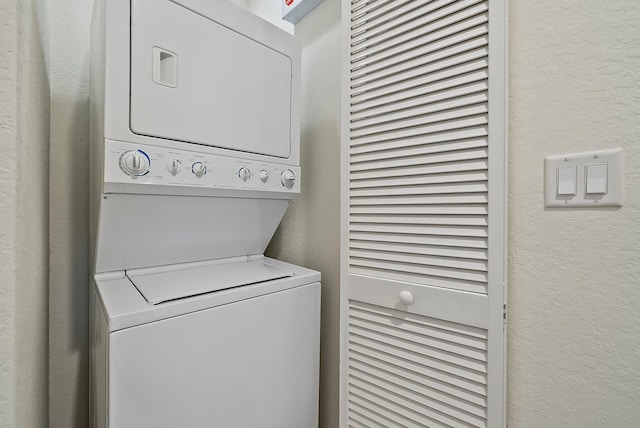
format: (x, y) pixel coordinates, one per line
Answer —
(376, 109)
(411, 108)
(376, 67)
(466, 51)
(463, 177)
(408, 248)
(377, 31)
(475, 162)
(424, 154)
(396, 218)
(432, 117)
(378, 8)
(423, 159)
(468, 244)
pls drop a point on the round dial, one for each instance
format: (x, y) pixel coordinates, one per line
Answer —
(264, 175)
(244, 174)
(174, 166)
(199, 169)
(288, 179)
(135, 163)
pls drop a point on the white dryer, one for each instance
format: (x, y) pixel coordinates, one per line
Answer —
(195, 159)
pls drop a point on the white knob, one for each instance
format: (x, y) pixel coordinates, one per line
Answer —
(174, 166)
(264, 175)
(244, 174)
(199, 169)
(288, 179)
(406, 298)
(134, 163)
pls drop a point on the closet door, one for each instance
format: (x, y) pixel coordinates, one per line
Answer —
(424, 198)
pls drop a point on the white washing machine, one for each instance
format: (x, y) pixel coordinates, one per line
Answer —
(195, 159)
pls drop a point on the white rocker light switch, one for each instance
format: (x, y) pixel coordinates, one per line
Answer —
(596, 179)
(567, 180)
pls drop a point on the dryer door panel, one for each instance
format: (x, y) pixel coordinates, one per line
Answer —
(197, 81)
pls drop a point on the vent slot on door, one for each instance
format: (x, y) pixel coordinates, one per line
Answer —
(410, 370)
(418, 89)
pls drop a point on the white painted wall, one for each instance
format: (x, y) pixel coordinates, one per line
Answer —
(68, 302)
(271, 11)
(310, 232)
(574, 323)
(8, 137)
(24, 229)
(574, 331)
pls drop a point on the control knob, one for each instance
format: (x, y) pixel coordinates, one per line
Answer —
(199, 169)
(134, 163)
(174, 166)
(244, 173)
(264, 175)
(288, 179)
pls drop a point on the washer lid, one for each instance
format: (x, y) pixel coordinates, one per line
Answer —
(161, 285)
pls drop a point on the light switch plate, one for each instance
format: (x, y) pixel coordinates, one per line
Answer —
(613, 196)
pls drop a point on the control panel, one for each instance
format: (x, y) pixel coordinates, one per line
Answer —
(127, 163)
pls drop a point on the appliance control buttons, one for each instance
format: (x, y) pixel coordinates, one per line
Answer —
(288, 179)
(174, 166)
(198, 169)
(244, 173)
(264, 175)
(135, 163)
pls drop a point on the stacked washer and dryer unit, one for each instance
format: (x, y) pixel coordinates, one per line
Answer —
(195, 158)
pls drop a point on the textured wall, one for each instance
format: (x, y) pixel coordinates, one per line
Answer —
(32, 228)
(24, 173)
(310, 232)
(68, 307)
(574, 324)
(8, 137)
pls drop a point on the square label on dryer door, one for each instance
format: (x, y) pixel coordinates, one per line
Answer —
(197, 81)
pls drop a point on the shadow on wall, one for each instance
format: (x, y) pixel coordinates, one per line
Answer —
(32, 222)
(69, 246)
(310, 232)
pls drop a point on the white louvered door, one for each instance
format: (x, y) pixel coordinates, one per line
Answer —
(424, 225)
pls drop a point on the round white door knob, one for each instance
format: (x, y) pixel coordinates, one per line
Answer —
(199, 169)
(264, 175)
(406, 298)
(288, 179)
(174, 166)
(134, 163)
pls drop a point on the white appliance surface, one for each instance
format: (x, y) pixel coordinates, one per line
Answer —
(245, 357)
(222, 88)
(126, 307)
(195, 158)
(163, 284)
(247, 360)
(171, 171)
(138, 231)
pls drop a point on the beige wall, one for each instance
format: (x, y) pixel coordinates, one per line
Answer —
(574, 323)
(574, 299)
(68, 303)
(24, 231)
(310, 232)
